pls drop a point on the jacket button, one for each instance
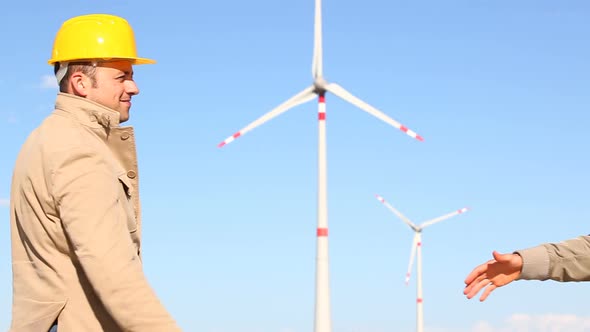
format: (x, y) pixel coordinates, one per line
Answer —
(124, 136)
(131, 174)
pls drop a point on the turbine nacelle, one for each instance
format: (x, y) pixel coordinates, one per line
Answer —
(320, 85)
(416, 229)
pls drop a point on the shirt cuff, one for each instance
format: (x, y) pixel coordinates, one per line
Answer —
(535, 263)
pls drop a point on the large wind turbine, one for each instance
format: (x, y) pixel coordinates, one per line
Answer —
(417, 252)
(320, 86)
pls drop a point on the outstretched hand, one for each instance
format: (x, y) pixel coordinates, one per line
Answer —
(500, 271)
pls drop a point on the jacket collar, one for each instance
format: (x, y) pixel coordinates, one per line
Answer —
(87, 112)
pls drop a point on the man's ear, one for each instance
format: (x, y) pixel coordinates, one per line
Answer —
(79, 84)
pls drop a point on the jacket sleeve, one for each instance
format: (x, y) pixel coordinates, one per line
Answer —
(565, 261)
(87, 194)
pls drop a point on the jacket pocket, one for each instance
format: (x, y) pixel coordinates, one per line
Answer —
(125, 203)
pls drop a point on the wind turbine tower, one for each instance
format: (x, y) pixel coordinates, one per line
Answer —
(323, 321)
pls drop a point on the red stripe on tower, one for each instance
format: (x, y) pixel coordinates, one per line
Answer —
(322, 232)
(322, 99)
(419, 300)
(322, 116)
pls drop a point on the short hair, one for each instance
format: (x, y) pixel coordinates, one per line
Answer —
(86, 68)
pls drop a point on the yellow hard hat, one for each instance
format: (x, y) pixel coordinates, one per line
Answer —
(95, 37)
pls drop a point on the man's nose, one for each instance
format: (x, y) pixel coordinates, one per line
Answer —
(131, 87)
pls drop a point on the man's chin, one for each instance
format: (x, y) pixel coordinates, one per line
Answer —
(123, 116)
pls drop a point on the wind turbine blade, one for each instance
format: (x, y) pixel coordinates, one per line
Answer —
(441, 218)
(300, 98)
(415, 244)
(347, 96)
(316, 66)
(397, 213)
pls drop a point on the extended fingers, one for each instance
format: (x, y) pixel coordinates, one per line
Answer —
(477, 272)
(486, 275)
(487, 292)
(473, 288)
(473, 283)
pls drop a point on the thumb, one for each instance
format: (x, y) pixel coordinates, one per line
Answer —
(501, 257)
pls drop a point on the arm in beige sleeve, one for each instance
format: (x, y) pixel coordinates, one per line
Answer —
(565, 261)
(87, 196)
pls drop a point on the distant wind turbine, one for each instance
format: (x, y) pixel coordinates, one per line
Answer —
(417, 252)
(320, 86)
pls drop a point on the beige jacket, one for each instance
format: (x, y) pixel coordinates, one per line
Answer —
(565, 261)
(76, 227)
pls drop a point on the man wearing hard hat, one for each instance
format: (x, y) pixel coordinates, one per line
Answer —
(75, 212)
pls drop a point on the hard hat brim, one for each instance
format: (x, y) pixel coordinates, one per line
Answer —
(134, 61)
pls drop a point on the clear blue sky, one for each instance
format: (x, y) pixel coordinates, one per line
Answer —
(498, 89)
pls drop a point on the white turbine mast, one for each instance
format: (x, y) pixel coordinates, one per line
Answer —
(323, 321)
(416, 252)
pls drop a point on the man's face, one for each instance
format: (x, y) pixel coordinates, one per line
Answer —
(114, 87)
